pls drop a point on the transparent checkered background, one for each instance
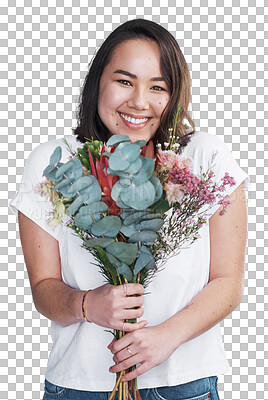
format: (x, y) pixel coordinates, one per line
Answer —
(45, 48)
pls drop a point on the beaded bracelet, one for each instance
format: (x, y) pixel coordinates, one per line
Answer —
(83, 306)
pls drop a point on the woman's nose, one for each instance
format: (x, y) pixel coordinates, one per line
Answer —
(138, 99)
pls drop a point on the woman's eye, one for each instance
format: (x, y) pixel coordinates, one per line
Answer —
(123, 81)
(159, 88)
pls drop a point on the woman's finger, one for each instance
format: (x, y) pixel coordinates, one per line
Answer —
(129, 362)
(130, 313)
(136, 372)
(128, 327)
(124, 354)
(129, 289)
(132, 301)
(112, 342)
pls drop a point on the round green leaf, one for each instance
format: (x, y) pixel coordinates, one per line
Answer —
(142, 261)
(145, 172)
(140, 143)
(128, 230)
(50, 172)
(76, 204)
(130, 152)
(144, 236)
(133, 168)
(134, 217)
(73, 169)
(108, 226)
(116, 139)
(138, 197)
(125, 252)
(102, 242)
(158, 187)
(117, 162)
(56, 156)
(124, 270)
(150, 225)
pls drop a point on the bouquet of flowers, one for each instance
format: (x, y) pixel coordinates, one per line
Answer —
(133, 211)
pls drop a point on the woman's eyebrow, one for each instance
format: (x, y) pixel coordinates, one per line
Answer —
(121, 71)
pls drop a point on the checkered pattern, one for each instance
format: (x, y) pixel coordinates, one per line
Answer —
(45, 49)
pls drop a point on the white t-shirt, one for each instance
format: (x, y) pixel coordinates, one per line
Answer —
(79, 358)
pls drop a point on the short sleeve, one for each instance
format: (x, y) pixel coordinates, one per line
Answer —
(27, 200)
(224, 162)
(202, 147)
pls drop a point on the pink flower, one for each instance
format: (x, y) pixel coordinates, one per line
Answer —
(166, 158)
(183, 163)
(169, 159)
(174, 192)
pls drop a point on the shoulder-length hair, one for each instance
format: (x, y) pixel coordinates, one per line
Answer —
(172, 65)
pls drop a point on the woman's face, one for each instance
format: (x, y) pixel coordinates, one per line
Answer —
(132, 91)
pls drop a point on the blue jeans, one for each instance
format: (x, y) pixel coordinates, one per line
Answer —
(201, 389)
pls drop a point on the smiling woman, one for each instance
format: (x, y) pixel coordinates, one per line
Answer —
(134, 86)
(133, 107)
(139, 72)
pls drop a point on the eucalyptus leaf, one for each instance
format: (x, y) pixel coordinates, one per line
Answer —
(140, 143)
(151, 264)
(145, 172)
(73, 169)
(108, 226)
(83, 220)
(142, 260)
(113, 260)
(161, 206)
(81, 183)
(63, 187)
(128, 230)
(138, 197)
(76, 204)
(50, 172)
(102, 242)
(151, 216)
(124, 270)
(56, 156)
(158, 187)
(116, 139)
(116, 190)
(133, 168)
(91, 192)
(134, 217)
(145, 249)
(117, 163)
(88, 215)
(125, 252)
(144, 236)
(150, 225)
(130, 152)
(125, 182)
(97, 207)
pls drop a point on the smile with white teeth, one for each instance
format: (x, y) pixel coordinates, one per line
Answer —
(133, 120)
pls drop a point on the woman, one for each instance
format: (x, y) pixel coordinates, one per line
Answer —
(134, 86)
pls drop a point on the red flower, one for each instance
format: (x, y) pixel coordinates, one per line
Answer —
(105, 180)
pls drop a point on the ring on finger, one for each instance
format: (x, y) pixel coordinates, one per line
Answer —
(129, 350)
(126, 288)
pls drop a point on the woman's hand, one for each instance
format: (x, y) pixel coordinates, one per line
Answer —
(110, 306)
(149, 346)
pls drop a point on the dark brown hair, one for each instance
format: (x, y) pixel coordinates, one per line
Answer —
(173, 67)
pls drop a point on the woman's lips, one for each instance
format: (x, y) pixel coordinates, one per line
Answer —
(134, 126)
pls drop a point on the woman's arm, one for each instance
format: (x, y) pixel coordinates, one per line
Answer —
(223, 293)
(106, 305)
